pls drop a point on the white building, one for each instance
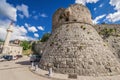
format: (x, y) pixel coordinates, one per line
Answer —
(12, 49)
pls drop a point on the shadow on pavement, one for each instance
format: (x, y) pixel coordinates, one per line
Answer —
(23, 62)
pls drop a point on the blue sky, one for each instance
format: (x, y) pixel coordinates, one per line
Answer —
(33, 18)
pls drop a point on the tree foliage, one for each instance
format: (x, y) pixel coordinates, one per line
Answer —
(45, 37)
(1, 40)
(33, 47)
(26, 45)
(107, 32)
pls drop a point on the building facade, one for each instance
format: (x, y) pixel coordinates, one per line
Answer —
(12, 49)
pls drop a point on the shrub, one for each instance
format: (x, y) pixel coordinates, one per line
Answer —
(106, 32)
(26, 45)
(45, 37)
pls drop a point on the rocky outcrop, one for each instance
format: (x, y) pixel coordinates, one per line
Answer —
(76, 47)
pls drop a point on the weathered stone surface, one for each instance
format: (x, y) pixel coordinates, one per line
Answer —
(73, 76)
(113, 41)
(39, 47)
(74, 13)
(75, 47)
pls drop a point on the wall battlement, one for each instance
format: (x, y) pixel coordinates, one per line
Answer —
(74, 13)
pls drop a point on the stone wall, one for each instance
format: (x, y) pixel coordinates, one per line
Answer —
(75, 50)
(73, 13)
(39, 48)
(113, 41)
(76, 47)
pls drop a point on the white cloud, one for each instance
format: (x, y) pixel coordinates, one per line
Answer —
(114, 17)
(35, 17)
(41, 28)
(19, 32)
(26, 25)
(2, 33)
(101, 5)
(96, 20)
(36, 35)
(3, 27)
(22, 29)
(85, 1)
(115, 3)
(32, 29)
(22, 37)
(4, 23)
(43, 15)
(24, 9)
(95, 9)
(21, 16)
(7, 10)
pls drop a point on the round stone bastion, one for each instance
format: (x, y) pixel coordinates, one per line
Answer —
(75, 47)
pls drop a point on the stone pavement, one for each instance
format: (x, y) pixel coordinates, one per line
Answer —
(57, 76)
(17, 70)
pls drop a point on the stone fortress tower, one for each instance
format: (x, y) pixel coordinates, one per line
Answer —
(75, 46)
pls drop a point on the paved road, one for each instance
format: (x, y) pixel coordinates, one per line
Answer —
(17, 70)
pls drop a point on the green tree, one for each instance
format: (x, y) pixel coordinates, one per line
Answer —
(33, 47)
(45, 37)
(25, 45)
(1, 40)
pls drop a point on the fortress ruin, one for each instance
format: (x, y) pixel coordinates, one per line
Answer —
(76, 47)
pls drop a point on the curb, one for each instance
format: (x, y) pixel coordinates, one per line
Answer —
(45, 76)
